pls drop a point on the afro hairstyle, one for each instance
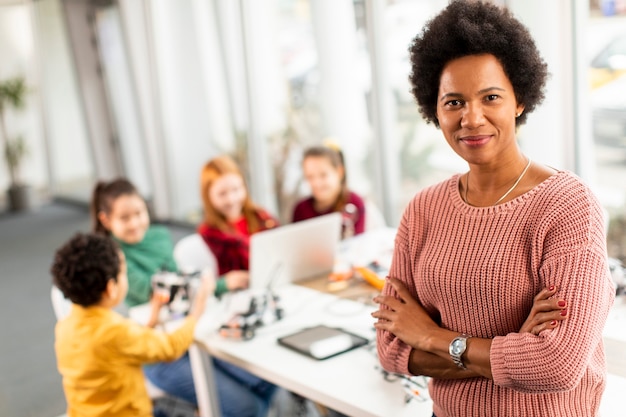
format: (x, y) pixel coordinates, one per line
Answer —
(83, 266)
(470, 28)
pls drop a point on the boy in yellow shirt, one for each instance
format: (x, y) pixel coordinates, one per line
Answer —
(99, 352)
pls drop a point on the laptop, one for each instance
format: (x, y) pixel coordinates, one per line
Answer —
(294, 252)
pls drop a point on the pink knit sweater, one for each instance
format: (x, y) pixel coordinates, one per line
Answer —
(476, 271)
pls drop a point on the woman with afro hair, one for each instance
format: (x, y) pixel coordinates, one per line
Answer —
(483, 256)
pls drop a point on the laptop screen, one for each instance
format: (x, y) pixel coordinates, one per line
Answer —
(294, 252)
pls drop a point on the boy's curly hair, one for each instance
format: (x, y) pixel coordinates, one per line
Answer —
(469, 28)
(83, 266)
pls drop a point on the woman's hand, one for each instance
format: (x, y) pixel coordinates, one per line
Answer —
(546, 312)
(237, 280)
(404, 317)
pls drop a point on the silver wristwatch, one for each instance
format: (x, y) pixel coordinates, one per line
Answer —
(457, 349)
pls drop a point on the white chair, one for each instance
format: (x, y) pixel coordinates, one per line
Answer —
(191, 253)
(60, 304)
(62, 307)
(374, 218)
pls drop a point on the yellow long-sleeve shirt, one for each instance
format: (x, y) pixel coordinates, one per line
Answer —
(99, 355)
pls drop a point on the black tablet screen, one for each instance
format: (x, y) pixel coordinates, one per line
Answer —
(321, 342)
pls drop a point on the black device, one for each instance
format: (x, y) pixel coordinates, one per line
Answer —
(261, 309)
(177, 286)
(322, 342)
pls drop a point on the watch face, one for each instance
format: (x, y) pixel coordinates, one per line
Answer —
(458, 346)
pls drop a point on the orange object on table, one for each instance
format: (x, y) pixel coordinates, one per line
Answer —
(371, 277)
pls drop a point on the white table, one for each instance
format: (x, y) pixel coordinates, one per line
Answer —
(616, 321)
(350, 383)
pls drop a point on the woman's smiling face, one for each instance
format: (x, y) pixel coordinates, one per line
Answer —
(476, 108)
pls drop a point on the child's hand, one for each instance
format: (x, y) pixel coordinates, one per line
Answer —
(159, 298)
(206, 288)
(546, 312)
(237, 280)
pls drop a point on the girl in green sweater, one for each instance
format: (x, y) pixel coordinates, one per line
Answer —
(120, 212)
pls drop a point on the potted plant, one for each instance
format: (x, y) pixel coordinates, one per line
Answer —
(13, 96)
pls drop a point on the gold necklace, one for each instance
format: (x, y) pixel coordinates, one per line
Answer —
(505, 194)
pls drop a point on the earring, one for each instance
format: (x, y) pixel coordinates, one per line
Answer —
(518, 114)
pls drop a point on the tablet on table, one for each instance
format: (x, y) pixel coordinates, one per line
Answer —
(322, 342)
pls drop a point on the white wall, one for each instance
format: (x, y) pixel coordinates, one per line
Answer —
(17, 49)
